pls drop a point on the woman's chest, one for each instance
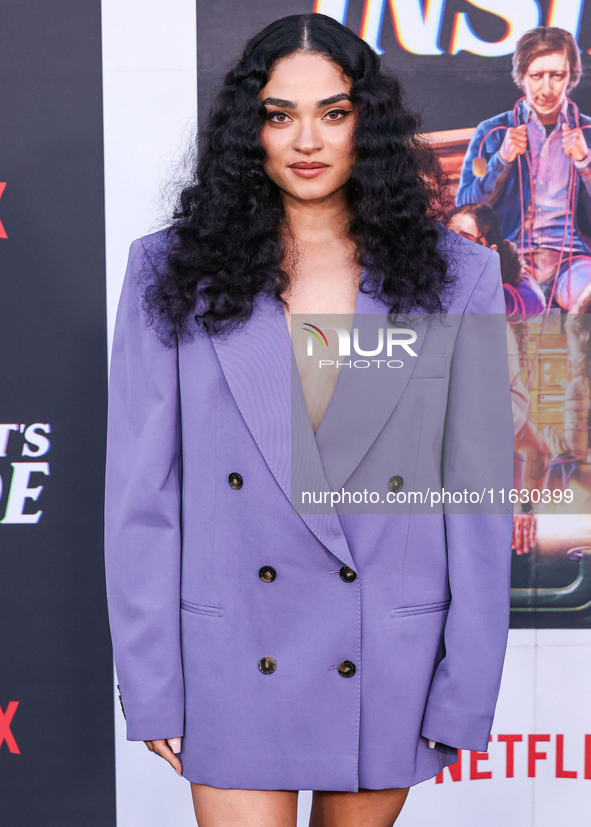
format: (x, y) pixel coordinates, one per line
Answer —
(315, 310)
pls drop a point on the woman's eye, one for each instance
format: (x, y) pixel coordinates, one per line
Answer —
(271, 115)
(337, 112)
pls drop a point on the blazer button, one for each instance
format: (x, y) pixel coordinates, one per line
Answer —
(267, 573)
(267, 665)
(395, 483)
(347, 574)
(235, 480)
(346, 669)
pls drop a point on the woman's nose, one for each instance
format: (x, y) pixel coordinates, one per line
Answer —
(307, 137)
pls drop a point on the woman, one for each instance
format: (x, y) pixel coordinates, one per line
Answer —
(282, 645)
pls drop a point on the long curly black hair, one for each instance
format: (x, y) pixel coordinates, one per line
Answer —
(224, 244)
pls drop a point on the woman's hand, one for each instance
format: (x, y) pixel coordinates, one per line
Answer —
(167, 748)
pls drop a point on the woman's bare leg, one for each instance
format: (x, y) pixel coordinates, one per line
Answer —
(215, 807)
(366, 808)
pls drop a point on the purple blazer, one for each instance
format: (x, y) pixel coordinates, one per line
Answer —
(316, 650)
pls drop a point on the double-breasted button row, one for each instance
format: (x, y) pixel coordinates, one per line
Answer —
(268, 574)
(268, 665)
(395, 483)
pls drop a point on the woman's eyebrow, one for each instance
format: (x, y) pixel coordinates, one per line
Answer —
(319, 104)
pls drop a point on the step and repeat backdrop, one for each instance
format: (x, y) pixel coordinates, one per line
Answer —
(56, 711)
(101, 103)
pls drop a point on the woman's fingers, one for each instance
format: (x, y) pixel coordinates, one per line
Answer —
(161, 748)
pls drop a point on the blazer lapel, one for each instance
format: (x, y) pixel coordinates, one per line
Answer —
(259, 365)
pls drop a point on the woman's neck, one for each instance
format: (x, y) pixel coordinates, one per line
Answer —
(317, 223)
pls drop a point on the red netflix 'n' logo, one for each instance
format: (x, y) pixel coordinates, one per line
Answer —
(5, 733)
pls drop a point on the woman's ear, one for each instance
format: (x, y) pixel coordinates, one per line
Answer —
(493, 247)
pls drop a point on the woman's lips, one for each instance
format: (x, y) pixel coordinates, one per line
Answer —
(308, 172)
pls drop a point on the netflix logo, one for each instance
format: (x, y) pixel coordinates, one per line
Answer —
(523, 756)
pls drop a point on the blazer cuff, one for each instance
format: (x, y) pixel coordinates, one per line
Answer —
(457, 728)
(149, 728)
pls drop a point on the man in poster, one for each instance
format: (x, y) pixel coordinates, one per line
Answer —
(539, 146)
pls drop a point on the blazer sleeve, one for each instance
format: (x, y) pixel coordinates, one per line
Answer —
(478, 452)
(142, 517)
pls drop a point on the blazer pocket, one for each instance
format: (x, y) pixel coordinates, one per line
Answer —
(201, 609)
(422, 608)
(430, 367)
